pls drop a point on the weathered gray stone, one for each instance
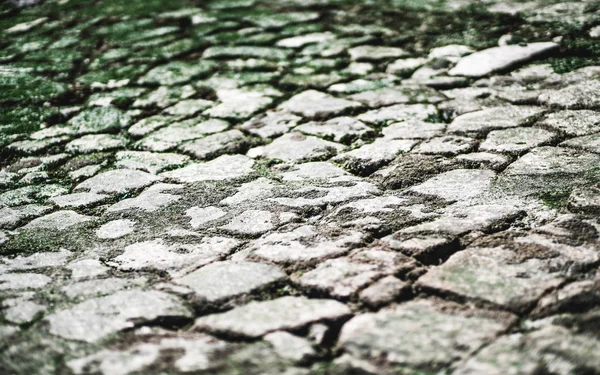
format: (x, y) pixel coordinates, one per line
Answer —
(18, 311)
(449, 145)
(338, 129)
(95, 143)
(228, 142)
(149, 200)
(115, 229)
(288, 346)
(271, 124)
(492, 274)
(99, 287)
(118, 181)
(551, 348)
(150, 162)
(59, 220)
(177, 258)
(375, 53)
(11, 217)
(412, 129)
(585, 95)
(86, 268)
(383, 291)
(419, 334)
(398, 112)
(589, 143)
(573, 123)
(173, 135)
(368, 158)
(94, 319)
(251, 223)
(224, 167)
(516, 140)
(314, 104)
(12, 281)
(301, 245)
(202, 216)
(296, 147)
(78, 200)
(495, 59)
(260, 318)
(480, 122)
(220, 281)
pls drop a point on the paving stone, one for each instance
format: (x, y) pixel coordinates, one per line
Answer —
(288, 346)
(171, 136)
(342, 277)
(59, 220)
(284, 313)
(118, 181)
(189, 107)
(267, 53)
(238, 104)
(150, 162)
(375, 53)
(312, 171)
(338, 129)
(461, 220)
(314, 104)
(11, 217)
(296, 147)
(251, 223)
(224, 167)
(220, 281)
(484, 160)
(516, 140)
(97, 120)
(38, 260)
(115, 229)
(584, 95)
(78, 200)
(572, 123)
(271, 124)
(480, 122)
(384, 291)
(175, 73)
(405, 335)
(412, 129)
(250, 192)
(95, 143)
(85, 268)
(451, 50)
(164, 97)
(397, 95)
(202, 216)
(150, 200)
(398, 112)
(94, 319)
(482, 63)
(99, 287)
(302, 245)
(149, 124)
(369, 158)
(491, 274)
(589, 143)
(22, 312)
(448, 145)
(585, 199)
(12, 281)
(228, 142)
(540, 168)
(176, 259)
(405, 67)
(303, 40)
(456, 185)
(552, 347)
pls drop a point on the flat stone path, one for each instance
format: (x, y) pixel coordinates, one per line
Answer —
(299, 187)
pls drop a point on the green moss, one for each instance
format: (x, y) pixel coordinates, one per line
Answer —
(555, 199)
(17, 86)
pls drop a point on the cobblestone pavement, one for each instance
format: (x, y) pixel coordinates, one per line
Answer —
(299, 187)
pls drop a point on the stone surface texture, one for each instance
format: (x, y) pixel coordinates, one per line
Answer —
(299, 187)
